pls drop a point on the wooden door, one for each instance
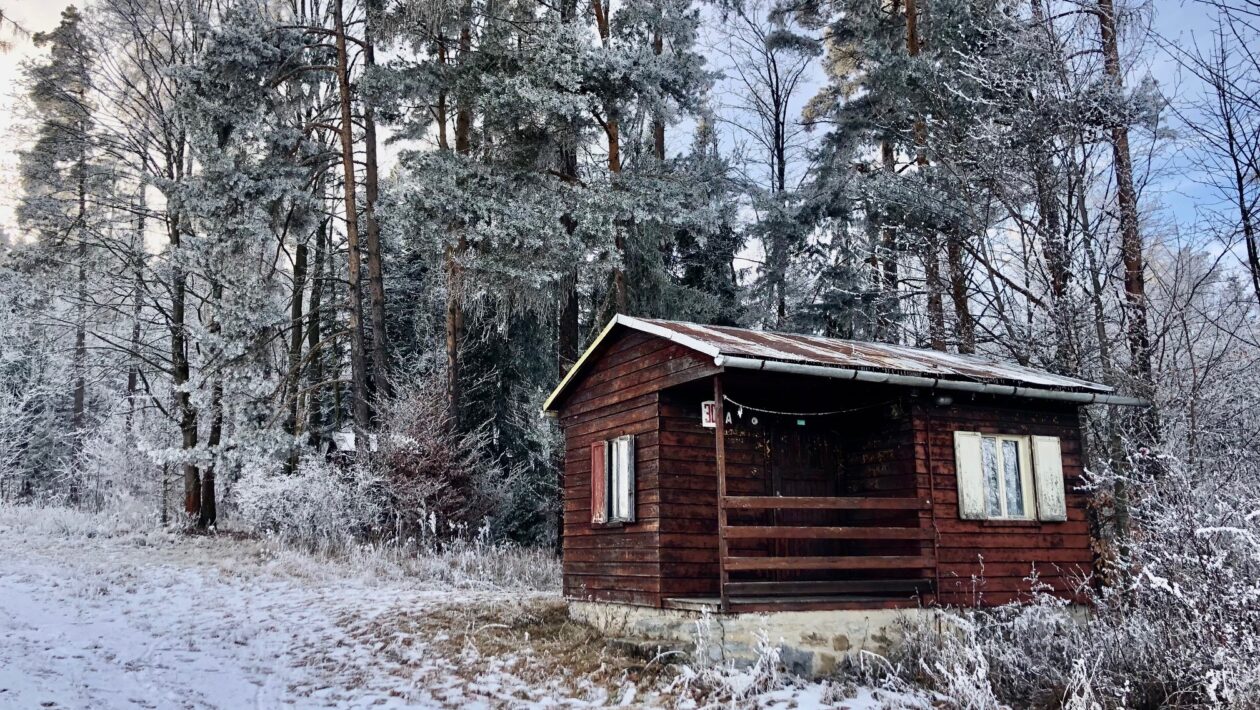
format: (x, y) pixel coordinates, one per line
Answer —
(804, 461)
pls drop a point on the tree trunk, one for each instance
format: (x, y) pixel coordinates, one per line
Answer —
(658, 122)
(207, 514)
(1055, 252)
(958, 293)
(612, 132)
(314, 314)
(80, 327)
(293, 424)
(441, 110)
(454, 271)
(1126, 199)
(1246, 209)
(371, 192)
(935, 295)
(137, 311)
(80, 342)
(886, 325)
(181, 371)
(569, 327)
(358, 356)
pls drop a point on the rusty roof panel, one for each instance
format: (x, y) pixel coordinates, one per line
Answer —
(879, 357)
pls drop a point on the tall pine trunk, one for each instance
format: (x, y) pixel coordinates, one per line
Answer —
(454, 271)
(80, 325)
(371, 193)
(890, 280)
(958, 293)
(568, 330)
(612, 133)
(933, 282)
(314, 315)
(181, 370)
(137, 311)
(293, 423)
(1126, 200)
(358, 355)
(207, 514)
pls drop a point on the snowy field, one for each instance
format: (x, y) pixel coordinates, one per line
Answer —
(93, 619)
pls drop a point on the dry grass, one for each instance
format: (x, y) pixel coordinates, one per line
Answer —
(532, 639)
(542, 632)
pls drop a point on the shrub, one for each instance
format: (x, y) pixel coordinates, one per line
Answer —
(320, 506)
(1180, 626)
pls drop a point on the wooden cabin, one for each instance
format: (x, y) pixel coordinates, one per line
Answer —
(735, 470)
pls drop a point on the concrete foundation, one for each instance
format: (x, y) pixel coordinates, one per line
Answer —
(810, 643)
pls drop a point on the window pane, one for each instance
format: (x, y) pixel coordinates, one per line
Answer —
(622, 481)
(1010, 471)
(992, 490)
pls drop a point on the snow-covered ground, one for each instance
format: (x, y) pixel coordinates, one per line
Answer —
(94, 619)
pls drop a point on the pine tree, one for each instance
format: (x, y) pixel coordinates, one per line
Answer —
(58, 175)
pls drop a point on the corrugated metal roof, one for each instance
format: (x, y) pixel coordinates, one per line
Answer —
(721, 342)
(858, 355)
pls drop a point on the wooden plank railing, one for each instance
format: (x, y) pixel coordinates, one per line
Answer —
(857, 562)
(825, 588)
(824, 503)
(776, 532)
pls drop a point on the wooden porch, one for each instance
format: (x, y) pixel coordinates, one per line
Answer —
(874, 551)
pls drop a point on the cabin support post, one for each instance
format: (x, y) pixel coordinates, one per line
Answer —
(720, 438)
(921, 415)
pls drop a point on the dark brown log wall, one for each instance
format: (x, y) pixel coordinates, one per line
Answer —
(618, 395)
(985, 563)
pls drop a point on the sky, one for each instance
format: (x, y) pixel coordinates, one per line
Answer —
(1179, 192)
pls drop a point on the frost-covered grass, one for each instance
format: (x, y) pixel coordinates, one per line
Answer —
(108, 611)
(457, 565)
(123, 518)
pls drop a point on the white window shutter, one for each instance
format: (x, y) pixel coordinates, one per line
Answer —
(623, 450)
(970, 477)
(1048, 467)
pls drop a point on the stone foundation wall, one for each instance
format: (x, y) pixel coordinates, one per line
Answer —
(810, 643)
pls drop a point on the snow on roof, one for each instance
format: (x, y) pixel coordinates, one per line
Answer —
(721, 342)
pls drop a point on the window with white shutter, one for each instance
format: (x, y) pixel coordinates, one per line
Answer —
(1009, 477)
(1048, 465)
(970, 481)
(621, 479)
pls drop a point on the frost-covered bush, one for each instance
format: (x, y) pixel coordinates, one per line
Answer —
(1179, 628)
(427, 470)
(418, 483)
(115, 467)
(320, 506)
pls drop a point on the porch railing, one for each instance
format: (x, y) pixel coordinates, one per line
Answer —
(920, 530)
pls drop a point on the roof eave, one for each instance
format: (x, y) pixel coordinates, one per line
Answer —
(844, 373)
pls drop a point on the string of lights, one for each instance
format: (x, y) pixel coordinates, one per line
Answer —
(741, 407)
